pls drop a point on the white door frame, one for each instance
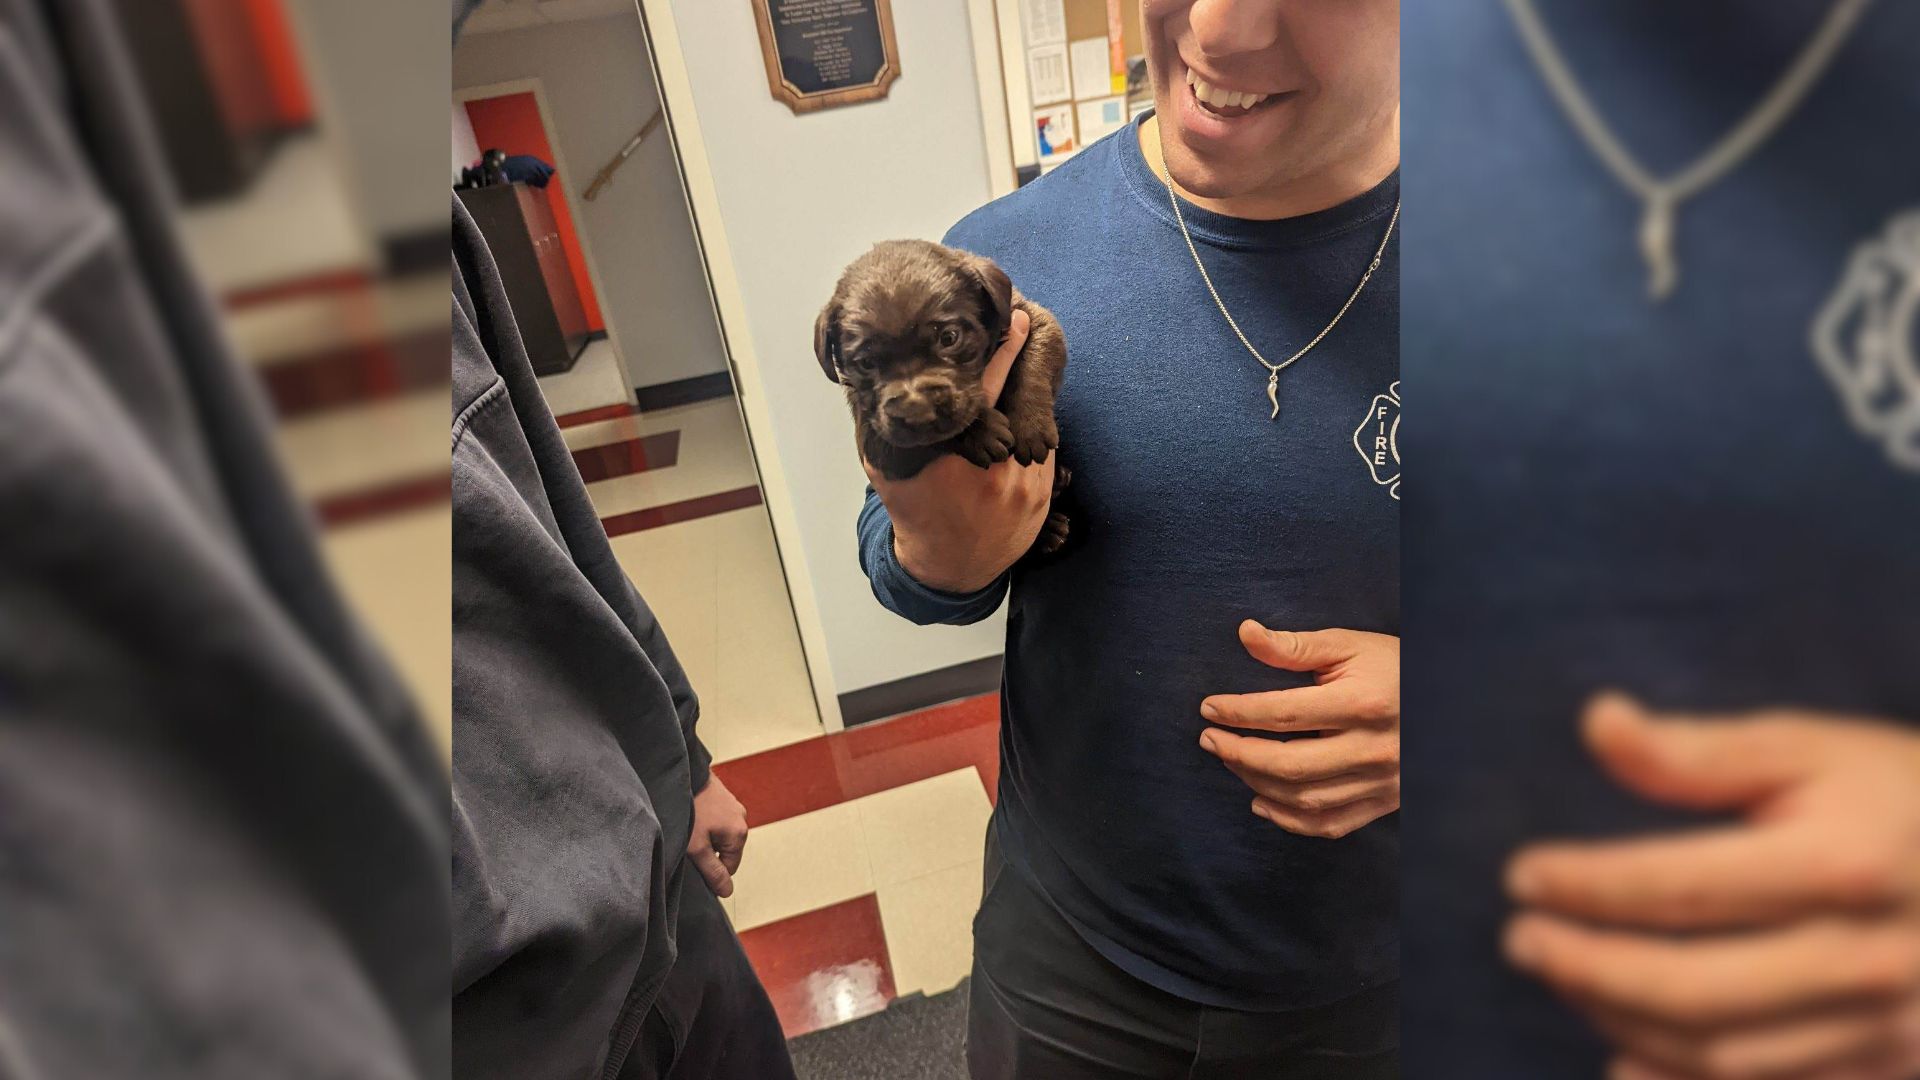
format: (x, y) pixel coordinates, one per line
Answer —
(710, 233)
(531, 84)
(997, 89)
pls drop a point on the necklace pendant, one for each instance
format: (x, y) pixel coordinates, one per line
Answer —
(1273, 393)
(1656, 246)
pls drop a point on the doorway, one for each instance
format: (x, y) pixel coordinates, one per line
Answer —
(586, 194)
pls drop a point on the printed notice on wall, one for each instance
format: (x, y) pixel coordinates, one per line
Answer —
(1045, 22)
(1090, 75)
(1047, 74)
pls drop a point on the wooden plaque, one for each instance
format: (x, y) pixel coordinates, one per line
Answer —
(823, 53)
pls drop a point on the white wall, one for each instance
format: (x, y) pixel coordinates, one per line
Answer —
(379, 92)
(595, 76)
(799, 197)
(466, 150)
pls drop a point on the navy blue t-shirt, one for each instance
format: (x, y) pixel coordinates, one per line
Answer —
(1191, 512)
(1708, 502)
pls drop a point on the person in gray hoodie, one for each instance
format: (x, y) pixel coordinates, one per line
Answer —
(590, 837)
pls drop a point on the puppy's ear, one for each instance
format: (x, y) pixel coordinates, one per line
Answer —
(998, 288)
(826, 340)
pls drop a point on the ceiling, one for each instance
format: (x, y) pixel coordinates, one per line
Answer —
(495, 16)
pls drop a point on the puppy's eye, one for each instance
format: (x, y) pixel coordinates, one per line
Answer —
(949, 337)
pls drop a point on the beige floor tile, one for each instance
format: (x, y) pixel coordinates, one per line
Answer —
(929, 825)
(395, 572)
(713, 457)
(929, 926)
(342, 451)
(800, 864)
(593, 380)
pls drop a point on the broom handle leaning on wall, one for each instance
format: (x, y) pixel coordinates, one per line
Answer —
(605, 175)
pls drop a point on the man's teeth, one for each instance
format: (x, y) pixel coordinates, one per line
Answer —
(1219, 98)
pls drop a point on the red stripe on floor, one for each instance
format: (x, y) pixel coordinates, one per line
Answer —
(820, 772)
(354, 374)
(358, 506)
(628, 456)
(686, 510)
(824, 967)
(329, 281)
(602, 412)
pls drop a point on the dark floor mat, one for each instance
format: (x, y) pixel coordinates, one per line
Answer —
(917, 1038)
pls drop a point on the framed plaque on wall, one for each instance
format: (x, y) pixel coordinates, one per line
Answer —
(823, 53)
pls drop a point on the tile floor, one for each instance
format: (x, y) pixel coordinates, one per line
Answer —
(862, 871)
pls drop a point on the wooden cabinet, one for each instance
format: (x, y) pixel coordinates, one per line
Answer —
(518, 223)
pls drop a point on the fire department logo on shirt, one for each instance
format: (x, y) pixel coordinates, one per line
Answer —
(1378, 439)
(1864, 339)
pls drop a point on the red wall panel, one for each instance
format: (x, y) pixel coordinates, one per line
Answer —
(512, 123)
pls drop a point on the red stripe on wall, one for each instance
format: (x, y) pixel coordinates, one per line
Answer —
(280, 53)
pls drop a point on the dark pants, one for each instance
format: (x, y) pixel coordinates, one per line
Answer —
(1044, 1005)
(712, 1019)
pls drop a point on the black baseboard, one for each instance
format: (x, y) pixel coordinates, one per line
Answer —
(684, 391)
(417, 251)
(921, 691)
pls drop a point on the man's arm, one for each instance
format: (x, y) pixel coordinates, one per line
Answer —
(937, 548)
(902, 593)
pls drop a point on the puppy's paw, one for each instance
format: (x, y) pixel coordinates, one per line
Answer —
(987, 441)
(1062, 476)
(1053, 534)
(1032, 442)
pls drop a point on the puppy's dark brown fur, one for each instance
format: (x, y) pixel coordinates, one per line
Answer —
(908, 333)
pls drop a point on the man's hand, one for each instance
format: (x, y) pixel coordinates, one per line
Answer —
(1787, 945)
(719, 835)
(956, 526)
(1348, 777)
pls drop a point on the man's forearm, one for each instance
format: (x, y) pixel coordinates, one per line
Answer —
(904, 593)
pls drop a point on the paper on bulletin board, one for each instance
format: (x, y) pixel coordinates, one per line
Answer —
(1045, 22)
(1100, 118)
(1047, 74)
(1053, 130)
(1090, 74)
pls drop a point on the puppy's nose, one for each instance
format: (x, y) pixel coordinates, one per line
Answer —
(918, 402)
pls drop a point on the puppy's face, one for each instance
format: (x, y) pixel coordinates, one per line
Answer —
(908, 333)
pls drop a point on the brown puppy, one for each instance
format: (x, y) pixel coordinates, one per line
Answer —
(908, 333)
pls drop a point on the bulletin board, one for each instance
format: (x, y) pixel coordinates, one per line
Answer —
(1068, 67)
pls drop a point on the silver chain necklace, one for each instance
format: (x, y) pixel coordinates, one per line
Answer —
(1273, 369)
(1660, 197)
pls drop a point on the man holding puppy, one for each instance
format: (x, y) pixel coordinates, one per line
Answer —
(1192, 865)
